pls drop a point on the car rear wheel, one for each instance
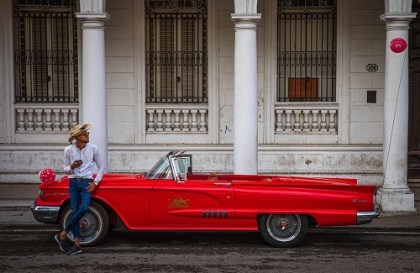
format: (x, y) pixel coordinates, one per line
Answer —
(93, 226)
(283, 230)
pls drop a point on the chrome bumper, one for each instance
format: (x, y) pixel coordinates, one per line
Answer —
(365, 217)
(45, 214)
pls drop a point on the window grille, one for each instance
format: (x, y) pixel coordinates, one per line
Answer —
(176, 51)
(306, 50)
(45, 47)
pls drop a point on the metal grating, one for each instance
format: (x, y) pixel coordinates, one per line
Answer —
(306, 50)
(176, 51)
(45, 51)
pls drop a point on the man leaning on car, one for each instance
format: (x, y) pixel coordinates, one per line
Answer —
(79, 159)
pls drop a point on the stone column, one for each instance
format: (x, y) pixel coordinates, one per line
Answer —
(246, 87)
(94, 93)
(395, 194)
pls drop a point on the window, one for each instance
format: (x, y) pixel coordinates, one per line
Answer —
(176, 51)
(306, 50)
(45, 46)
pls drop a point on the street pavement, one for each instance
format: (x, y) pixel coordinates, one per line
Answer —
(17, 198)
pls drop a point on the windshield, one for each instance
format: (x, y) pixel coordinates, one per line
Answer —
(161, 170)
(181, 167)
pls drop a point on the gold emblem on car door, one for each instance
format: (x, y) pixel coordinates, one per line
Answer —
(178, 202)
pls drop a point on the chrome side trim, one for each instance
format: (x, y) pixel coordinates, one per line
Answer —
(365, 217)
(45, 214)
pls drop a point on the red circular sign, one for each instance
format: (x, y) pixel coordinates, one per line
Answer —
(398, 45)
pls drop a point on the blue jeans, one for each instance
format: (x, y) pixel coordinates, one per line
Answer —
(79, 203)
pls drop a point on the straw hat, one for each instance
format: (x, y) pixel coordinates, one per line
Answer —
(78, 130)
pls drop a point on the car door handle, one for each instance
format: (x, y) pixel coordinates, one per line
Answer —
(223, 184)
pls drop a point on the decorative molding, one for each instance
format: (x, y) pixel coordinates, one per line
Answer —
(175, 4)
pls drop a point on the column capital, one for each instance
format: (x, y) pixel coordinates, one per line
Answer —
(246, 21)
(93, 20)
(402, 17)
(397, 25)
(88, 16)
(254, 17)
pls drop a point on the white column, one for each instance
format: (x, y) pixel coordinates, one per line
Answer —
(395, 194)
(94, 95)
(245, 94)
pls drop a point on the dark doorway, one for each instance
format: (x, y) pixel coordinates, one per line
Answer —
(414, 97)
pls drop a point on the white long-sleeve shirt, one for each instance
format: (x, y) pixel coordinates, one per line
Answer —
(89, 155)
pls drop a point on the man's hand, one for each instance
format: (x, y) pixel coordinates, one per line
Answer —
(91, 187)
(76, 164)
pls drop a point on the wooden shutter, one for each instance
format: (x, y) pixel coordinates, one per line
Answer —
(38, 67)
(302, 89)
(167, 58)
(60, 62)
(188, 48)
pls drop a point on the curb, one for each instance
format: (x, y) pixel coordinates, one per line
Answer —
(4, 227)
(15, 208)
(376, 228)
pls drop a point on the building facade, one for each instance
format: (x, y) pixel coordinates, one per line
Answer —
(297, 87)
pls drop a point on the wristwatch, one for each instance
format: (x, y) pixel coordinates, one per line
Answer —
(96, 183)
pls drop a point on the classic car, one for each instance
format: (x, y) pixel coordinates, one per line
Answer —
(171, 197)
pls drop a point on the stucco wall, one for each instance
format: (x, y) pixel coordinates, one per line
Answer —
(367, 46)
(226, 35)
(119, 46)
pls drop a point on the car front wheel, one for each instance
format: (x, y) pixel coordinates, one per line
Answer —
(93, 225)
(283, 230)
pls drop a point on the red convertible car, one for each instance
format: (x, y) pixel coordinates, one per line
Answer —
(171, 197)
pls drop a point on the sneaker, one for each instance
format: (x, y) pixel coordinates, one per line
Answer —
(61, 243)
(74, 250)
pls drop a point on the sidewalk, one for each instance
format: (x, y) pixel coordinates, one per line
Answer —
(16, 200)
(15, 203)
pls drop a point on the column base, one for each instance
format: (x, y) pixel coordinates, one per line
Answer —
(396, 200)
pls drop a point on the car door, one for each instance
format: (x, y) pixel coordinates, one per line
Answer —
(192, 203)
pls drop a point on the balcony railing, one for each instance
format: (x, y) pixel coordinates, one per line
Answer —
(171, 118)
(49, 117)
(311, 119)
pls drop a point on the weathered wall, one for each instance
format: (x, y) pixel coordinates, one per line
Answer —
(22, 164)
